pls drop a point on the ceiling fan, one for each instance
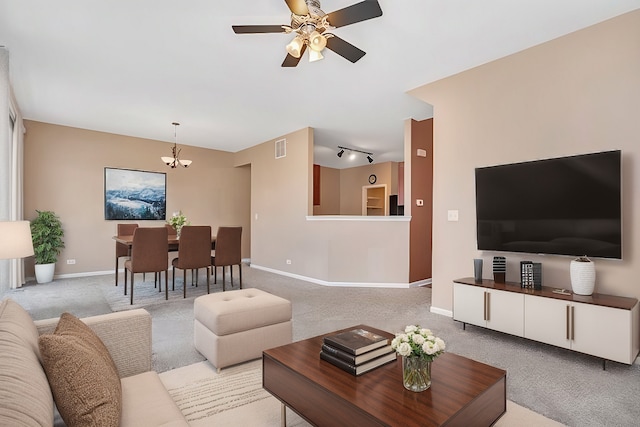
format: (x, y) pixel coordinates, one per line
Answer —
(311, 26)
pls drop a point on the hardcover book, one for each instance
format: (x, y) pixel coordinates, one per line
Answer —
(356, 341)
(356, 360)
(358, 369)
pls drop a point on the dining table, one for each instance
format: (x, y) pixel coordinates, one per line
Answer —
(173, 240)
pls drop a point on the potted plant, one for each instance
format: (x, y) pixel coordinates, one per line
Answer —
(46, 233)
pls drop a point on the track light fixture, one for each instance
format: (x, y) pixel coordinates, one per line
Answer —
(353, 151)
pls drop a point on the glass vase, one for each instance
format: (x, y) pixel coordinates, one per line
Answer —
(416, 373)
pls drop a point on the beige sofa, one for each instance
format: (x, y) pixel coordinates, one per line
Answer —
(26, 397)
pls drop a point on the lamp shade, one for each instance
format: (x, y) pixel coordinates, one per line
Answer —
(15, 238)
(315, 55)
(295, 47)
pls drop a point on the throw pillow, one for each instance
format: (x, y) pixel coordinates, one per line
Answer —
(83, 378)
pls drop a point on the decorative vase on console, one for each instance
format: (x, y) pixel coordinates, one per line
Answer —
(418, 348)
(583, 276)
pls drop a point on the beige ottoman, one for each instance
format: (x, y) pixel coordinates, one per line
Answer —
(236, 326)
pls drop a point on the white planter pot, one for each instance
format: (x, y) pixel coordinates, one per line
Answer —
(583, 277)
(44, 272)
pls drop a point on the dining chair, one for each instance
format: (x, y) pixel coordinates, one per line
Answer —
(172, 248)
(227, 253)
(122, 250)
(148, 255)
(194, 253)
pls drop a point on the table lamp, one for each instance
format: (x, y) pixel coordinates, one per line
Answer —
(16, 239)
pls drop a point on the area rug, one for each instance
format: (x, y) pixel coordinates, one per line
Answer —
(235, 397)
(146, 294)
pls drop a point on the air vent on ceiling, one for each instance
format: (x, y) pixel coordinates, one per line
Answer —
(281, 148)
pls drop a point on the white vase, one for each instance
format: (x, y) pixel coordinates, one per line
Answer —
(583, 276)
(44, 272)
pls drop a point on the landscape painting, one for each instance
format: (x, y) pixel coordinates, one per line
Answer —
(134, 195)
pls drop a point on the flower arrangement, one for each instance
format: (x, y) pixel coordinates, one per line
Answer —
(177, 221)
(418, 348)
(418, 342)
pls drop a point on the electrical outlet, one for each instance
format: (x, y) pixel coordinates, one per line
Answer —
(452, 215)
(288, 262)
(71, 261)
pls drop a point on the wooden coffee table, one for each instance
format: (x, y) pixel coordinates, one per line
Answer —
(463, 392)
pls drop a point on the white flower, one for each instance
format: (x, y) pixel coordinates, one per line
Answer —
(404, 349)
(418, 339)
(410, 329)
(429, 348)
(418, 342)
(395, 342)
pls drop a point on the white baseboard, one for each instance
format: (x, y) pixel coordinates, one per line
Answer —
(342, 284)
(441, 311)
(280, 272)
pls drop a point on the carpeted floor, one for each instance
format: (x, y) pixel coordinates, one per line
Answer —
(565, 386)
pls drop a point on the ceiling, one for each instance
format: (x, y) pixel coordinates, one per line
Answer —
(134, 67)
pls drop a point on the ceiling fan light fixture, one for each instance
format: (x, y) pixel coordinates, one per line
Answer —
(295, 47)
(315, 55)
(317, 41)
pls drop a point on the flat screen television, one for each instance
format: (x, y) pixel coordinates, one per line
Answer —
(564, 206)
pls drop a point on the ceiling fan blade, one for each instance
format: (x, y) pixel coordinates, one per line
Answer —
(344, 49)
(358, 12)
(252, 29)
(299, 7)
(292, 61)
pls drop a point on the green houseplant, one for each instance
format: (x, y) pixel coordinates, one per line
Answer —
(46, 234)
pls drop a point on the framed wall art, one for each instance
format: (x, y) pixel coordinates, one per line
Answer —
(134, 195)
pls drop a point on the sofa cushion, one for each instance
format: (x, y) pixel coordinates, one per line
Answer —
(82, 375)
(25, 396)
(146, 402)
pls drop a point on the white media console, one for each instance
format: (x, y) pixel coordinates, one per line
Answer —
(569, 321)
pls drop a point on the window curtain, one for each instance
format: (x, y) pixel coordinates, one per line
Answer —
(11, 170)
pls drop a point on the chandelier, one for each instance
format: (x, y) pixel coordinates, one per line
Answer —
(174, 161)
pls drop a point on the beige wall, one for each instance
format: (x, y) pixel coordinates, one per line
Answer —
(64, 172)
(331, 251)
(576, 94)
(341, 189)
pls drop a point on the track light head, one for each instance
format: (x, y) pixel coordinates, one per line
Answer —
(370, 159)
(340, 153)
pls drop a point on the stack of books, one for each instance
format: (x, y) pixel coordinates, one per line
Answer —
(357, 351)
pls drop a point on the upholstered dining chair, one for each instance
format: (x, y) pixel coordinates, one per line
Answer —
(149, 255)
(122, 250)
(194, 253)
(227, 253)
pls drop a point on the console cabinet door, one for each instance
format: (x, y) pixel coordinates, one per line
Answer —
(498, 310)
(546, 320)
(602, 331)
(505, 312)
(469, 304)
